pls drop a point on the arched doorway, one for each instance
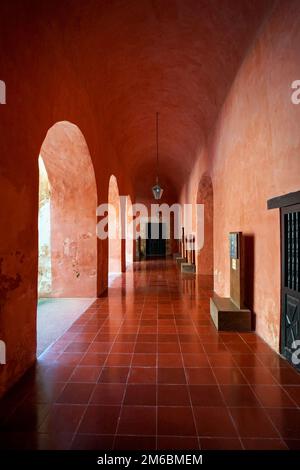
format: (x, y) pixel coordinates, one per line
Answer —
(67, 231)
(204, 256)
(44, 228)
(114, 240)
(129, 232)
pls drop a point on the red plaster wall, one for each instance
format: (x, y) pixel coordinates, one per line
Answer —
(107, 67)
(73, 212)
(256, 155)
(204, 256)
(37, 98)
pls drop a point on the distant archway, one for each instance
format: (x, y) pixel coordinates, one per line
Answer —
(44, 225)
(2, 92)
(204, 257)
(114, 240)
(129, 232)
(67, 215)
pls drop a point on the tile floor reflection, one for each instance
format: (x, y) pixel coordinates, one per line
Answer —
(144, 368)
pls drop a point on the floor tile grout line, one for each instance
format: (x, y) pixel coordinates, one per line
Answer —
(189, 393)
(126, 383)
(67, 381)
(225, 405)
(267, 415)
(167, 293)
(89, 402)
(156, 384)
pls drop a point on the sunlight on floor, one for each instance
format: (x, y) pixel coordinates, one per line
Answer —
(55, 316)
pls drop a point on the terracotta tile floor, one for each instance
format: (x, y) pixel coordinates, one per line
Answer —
(144, 368)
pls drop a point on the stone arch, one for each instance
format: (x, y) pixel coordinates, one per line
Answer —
(114, 229)
(129, 232)
(73, 203)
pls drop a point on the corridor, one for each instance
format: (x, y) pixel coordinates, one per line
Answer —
(144, 368)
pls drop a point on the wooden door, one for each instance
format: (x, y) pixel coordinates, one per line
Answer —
(156, 242)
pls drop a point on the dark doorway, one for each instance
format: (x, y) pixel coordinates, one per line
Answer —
(156, 240)
(290, 284)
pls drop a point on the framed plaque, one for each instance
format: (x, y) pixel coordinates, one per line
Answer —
(234, 245)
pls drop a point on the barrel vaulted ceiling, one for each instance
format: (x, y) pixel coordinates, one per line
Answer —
(177, 57)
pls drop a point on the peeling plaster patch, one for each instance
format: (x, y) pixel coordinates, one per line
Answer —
(271, 322)
(219, 282)
(66, 248)
(75, 265)
(86, 236)
(7, 284)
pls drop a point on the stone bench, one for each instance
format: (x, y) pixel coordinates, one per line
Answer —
(180, 260)
(227, 316)
(188, 268)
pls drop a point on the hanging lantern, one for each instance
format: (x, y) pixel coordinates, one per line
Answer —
(157, 191)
